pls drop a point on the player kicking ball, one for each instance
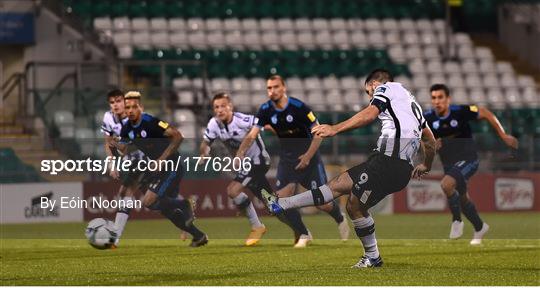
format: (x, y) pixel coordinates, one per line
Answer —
(456, 147)
(387, 170)
(159, 141)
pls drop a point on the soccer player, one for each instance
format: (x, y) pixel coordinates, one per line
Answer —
(387, 170)
(159, 141)
(457, 150)
(111, 127)
(230, 128)
(300, 162)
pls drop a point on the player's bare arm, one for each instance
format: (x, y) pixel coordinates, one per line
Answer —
(176, 138)
(429, 148)
(246, 143)
(110, 141)
(306, 157)
(204, 148)
(360, 119)
(486, 114)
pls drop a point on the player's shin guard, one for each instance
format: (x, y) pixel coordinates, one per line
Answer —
(315, 197)
(365, 230)
(453, 204)
(469, 210)
(336, 212)
(243, 203)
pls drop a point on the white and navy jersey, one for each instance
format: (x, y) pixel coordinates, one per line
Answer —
(112, 126)
(402, 121)
(233, 133)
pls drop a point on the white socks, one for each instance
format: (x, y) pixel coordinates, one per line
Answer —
(365, 230)
(313, 197)
(121, 219)
(251, 214)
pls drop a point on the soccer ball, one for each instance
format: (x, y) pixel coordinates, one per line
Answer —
(101, 233)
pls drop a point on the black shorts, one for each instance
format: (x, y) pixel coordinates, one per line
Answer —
(461, 171)
(310, 177)
(163, 183)
(133, 176)
(379, 177)
(254, 179)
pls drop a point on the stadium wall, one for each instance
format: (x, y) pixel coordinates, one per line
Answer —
(490, 192)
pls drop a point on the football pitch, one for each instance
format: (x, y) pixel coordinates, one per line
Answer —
(414, 248)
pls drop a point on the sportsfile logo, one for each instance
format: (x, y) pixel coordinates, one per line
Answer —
(35, 210)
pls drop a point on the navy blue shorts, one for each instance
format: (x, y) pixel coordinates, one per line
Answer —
(462, 171)
(311, 177)
(164, 183)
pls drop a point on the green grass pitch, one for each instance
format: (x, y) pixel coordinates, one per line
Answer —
(413, 247)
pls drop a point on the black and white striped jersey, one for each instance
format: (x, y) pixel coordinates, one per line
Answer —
(233, 133)
(402, 121)
(112, 126)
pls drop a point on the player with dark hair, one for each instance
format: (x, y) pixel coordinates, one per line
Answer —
(387, 170)
(111, 127)
(300, 162)
(457, 150)
(159, 141)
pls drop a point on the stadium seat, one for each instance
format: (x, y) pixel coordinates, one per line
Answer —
(177, 24)
(195, 24)
(103, 23)
(121, 24)
(491, 80)
(140, 23)
(184, 116)
(213, 25)
(159, 24)
(122, 38)
(160, 39)
(249, 24)
(504, 67)
(186, 97)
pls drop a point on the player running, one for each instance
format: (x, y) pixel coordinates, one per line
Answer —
(457, 150)
(111, 127)
(230, 128)
(299, 161)
(387, 170)
(159, 141)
